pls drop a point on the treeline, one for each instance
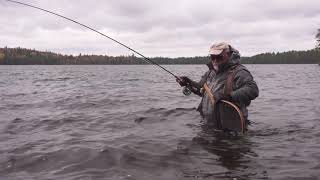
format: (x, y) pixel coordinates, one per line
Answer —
(291, 57)
(22, 56)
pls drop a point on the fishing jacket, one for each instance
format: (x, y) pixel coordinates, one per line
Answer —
(232, 79)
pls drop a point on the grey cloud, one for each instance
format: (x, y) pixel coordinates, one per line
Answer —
(167, 28)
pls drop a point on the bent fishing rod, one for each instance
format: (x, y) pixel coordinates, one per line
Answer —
(92, 29)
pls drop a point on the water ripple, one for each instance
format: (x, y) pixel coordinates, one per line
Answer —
(132, 122)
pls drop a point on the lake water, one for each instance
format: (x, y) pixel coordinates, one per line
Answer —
(133, 122)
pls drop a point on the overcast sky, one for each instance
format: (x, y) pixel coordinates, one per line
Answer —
(170, 28)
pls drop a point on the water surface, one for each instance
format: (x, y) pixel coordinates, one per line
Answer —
(133, 122)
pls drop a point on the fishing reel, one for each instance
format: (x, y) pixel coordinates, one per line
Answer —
(186, 90)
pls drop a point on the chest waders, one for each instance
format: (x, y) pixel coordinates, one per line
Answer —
(228, 115)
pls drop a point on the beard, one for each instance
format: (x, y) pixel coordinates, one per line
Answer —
(216, 67)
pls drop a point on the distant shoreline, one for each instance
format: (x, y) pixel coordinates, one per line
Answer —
(23, 56)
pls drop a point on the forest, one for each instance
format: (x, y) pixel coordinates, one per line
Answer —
(23, 56)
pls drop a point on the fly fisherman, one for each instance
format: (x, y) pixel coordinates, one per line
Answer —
(226, 79)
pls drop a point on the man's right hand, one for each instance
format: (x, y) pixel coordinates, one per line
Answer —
(183, 80)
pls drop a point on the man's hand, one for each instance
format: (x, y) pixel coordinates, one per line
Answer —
(183, 80)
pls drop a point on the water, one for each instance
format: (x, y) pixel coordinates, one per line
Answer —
(133, 122)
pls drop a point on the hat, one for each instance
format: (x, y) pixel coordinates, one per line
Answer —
(218, 48)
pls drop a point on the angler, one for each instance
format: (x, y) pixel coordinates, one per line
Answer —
(227, 89)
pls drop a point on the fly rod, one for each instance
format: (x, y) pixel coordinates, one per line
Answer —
(92, 29)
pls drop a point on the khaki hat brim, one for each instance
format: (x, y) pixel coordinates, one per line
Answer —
(215, 51)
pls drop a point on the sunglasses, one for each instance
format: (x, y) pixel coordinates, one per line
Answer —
(216, 57)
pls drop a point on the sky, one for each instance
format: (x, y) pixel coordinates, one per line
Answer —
(167, 28)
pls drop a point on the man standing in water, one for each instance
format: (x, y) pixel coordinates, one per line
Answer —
(226, 79)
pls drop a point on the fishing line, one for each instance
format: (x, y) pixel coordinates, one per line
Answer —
(92, 29)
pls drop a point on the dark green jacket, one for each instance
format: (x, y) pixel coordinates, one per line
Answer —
(244, 88)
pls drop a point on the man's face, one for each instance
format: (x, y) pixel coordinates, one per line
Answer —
(219, 59)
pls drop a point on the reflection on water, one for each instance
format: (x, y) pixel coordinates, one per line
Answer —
(232, 152)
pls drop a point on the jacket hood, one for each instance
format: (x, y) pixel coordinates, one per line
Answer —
(233, 60)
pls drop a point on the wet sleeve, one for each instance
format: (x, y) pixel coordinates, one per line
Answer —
(246, 88)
